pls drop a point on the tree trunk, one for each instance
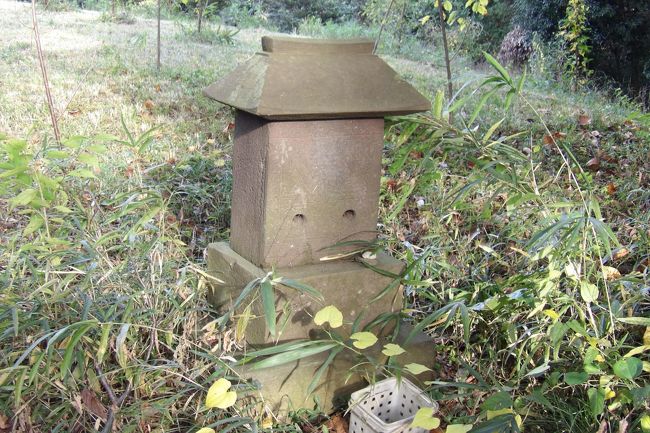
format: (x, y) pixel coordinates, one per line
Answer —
(443, 26)
(202, 7)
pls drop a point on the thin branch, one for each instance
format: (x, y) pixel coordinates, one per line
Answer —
(443, 26)
(383, 23)
(46, 81)
(158, 41)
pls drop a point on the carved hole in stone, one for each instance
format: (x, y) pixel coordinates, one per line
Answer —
(349, 214)
(299, 218)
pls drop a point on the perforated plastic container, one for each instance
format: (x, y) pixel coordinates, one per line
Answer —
(387, 407)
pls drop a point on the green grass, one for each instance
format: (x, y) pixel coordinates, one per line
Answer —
(120, 259)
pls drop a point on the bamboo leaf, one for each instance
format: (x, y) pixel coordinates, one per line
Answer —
(268, 304)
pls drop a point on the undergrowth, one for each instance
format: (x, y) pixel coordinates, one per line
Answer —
(537, 224)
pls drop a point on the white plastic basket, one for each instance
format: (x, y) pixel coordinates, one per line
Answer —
(387, 407)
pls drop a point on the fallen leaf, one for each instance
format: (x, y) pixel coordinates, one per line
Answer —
(74, 113)
(337, 424)
(584, 120)
(620, 253)
(229, 127)
(148, 104)
(92, 404)
(593, 164)
(4, 422)
(611, 273)
(611, 189)
(157, 87)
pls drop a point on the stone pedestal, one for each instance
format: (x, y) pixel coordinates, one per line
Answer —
(349, 286)
(284, 388)
(346, 284)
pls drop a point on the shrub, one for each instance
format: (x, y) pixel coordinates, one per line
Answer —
(516, 47)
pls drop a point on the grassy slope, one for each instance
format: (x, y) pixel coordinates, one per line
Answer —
(101, 72)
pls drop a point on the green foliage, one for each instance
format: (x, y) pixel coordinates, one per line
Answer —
(619, 31)
(96, 291)
(574, 30)
(286, 15)
(539, 305)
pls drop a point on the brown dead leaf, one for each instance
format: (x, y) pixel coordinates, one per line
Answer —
(552, 138)
(337, 424)
(92, 404)
(593, 164)
(620, 253)
(149, 105)
(611, 189)
(611, 273)
(391, 185)
(74, 113)
(4, 422)
(157, 87)
(584, 120)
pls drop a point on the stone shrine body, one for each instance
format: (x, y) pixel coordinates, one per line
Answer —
(306, 178)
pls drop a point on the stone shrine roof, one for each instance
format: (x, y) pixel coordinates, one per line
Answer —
(303, 78)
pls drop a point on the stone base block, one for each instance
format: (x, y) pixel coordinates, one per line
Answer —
(348, 285)
(284, 388)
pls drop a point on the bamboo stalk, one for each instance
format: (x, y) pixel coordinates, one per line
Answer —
(46, 81)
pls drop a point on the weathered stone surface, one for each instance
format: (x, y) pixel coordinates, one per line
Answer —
(346, 284)
(300, 187)
(284, 388)
(302, 78)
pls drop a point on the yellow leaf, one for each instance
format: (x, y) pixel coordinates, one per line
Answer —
(646, 336)
(219, 396)
(424, 419)
(447, 6)
(637, 350)
(267, 422)
(495, 413)
(425, 19)
(458, 428)
(611, 273)
(363, 339)
(415, 368)
(552, 314)
(392, 350)
(331, 315)
(206, 430)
